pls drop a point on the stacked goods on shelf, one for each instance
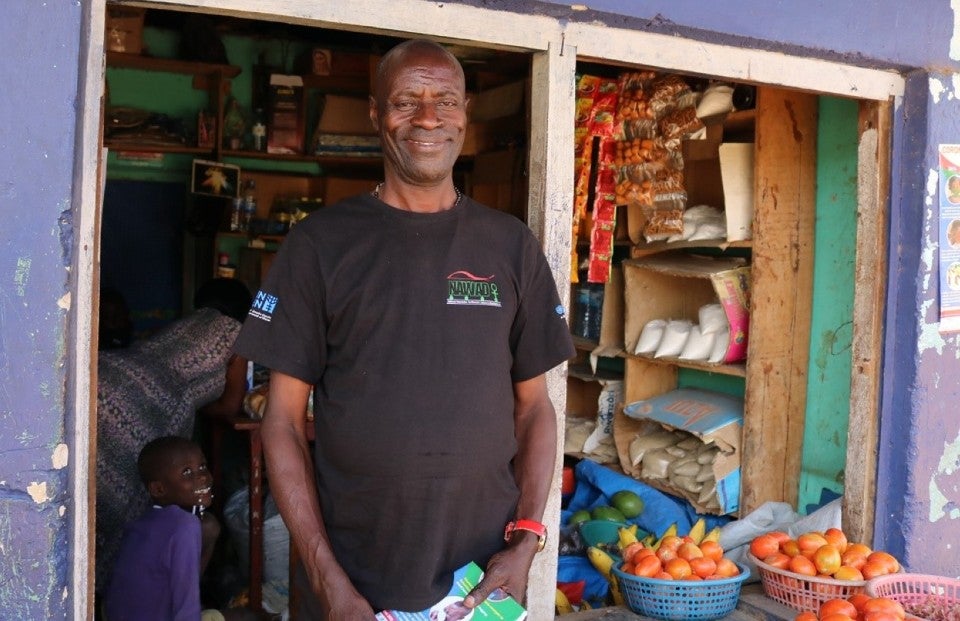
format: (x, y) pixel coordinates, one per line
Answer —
(686, 443)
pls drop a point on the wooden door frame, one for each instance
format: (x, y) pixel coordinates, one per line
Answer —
(554, 45)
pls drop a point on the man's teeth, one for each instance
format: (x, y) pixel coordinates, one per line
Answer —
(203, 490)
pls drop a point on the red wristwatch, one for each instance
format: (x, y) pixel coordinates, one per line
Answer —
(534, 527)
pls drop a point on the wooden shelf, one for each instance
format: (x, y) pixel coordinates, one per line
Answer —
(642, 250)
(734, 369)
(585, 373)
(688, 266)
(134, 147)
(169, 65)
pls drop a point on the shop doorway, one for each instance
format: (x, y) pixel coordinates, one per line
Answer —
(554, 49)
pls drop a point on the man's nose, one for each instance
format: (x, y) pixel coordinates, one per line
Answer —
(427, 116)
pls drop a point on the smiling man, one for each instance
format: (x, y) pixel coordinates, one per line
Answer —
(424, 323)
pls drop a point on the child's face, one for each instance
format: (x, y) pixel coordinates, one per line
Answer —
(184, 480)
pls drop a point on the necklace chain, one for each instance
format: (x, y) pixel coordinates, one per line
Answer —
(456, 203)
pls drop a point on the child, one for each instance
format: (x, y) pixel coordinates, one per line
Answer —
(163, 552)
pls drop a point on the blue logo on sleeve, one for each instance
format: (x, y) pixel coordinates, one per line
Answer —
(263, 306)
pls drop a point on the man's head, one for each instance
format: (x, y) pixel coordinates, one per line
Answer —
(227, 295)
(419, 108)
(174, 471)
(953, 233)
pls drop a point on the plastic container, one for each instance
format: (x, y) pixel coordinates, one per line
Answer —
(602, 533)
(915, 590)
(682, 600)
(802, 592)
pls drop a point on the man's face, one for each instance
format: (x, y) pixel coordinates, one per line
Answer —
(184, 480)
(420, 111)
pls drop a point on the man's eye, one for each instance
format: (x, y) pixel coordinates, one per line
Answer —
(202, 468)
(404, 105)
(449, 103)
(187, 472)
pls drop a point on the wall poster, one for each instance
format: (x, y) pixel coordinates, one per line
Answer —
(949, 201)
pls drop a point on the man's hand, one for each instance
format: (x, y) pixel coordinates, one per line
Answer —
(508, 569)
(350, 606)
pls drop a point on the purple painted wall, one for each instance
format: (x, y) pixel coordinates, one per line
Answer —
(918, 490)
(37, 117)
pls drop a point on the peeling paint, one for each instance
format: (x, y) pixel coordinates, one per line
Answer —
(955, 79)
(936, 89)
(933, 178)
(62, 510)
(38, 491)
(61, 456)
(945, 484)
(930, 337)
(21, 275)
(64, 301)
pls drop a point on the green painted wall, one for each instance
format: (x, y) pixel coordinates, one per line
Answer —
(831, 330)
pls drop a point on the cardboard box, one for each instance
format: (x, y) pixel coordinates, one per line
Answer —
(676, 285)
(714, 420)
(285, 133)
(124, 29)
(345, 115)
(737, 173)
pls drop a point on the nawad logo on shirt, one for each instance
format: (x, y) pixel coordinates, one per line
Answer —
(263, 306)
(465, 288)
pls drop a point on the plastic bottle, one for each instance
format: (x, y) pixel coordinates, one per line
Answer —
(236, 214)
(249, 205)
(259, 131)
(585, 310)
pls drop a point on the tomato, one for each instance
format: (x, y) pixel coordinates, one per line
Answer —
(703, 566)
(840, 606)
(809, 542)
(678, 568)
(802, 565)
(836, 537)
(885, 605)
(827, 559)
(763, 546)
(778, 560)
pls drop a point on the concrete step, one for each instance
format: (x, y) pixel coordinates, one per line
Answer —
(753, 606)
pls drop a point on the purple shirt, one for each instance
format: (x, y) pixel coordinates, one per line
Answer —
(157, 572)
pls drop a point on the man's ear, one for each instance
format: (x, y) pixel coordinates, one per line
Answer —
(374, 114)
(156, 489)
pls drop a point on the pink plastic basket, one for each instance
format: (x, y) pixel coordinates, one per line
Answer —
(916, 591)
(802, 592)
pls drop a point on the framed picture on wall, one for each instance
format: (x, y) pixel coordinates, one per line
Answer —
(215, 179)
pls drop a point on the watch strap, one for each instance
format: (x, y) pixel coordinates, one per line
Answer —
(529, 525)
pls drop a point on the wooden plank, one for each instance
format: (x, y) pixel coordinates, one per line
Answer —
(781, 286)
(553, 81)
(873, 179)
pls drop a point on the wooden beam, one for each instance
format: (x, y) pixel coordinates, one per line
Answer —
(873, 188)
(781, 288)
(550, 197)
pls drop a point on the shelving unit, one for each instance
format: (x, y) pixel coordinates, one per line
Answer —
(778, 269)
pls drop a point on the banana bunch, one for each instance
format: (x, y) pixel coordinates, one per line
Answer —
(603, 562)
(698, 533)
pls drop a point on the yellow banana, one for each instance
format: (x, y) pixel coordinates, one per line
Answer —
(562, 603)
(713, 535)
(626, 535)
(670, 532)
(603, 562)
(698, 530)
(649, 540)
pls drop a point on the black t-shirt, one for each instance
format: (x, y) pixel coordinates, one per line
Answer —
(413, 328)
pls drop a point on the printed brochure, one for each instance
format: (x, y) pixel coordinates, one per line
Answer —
(498, 606)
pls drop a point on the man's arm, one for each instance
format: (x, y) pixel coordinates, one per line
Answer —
(294, 488)
(536, 431)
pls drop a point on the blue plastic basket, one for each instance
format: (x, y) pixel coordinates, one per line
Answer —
(681, 600)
